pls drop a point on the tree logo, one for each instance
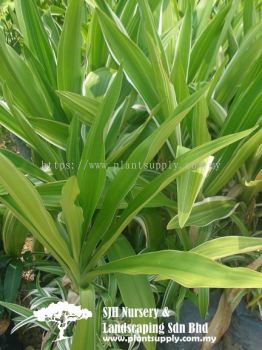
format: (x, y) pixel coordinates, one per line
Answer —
(62, 313)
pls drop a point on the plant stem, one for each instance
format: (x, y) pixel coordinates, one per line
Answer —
(85, 331)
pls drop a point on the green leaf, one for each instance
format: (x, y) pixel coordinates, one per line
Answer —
(50, 96)
(249, 52)
(12, 280)
(152, 226)
(150, 30)
(72, 214)
(164, 88)
(35, 36)
(27, 92)
(52, 131)
(69, 49)
(252, 188)
(20, 310)
(74, 145)
(129, 55)
(244, 151)
(179, 301)
(205, 212)
(54, 270)
(189, 185)
(247, 103)
(206, 46)
(203, 301)
(52, 28)
(85, 107)
(179, 80)
(116, 132)
(96, 83)
(184, 41)
(170, 295)
(41, 147)
(217, 113)
(51, 193)
(160, 200)
(226, 246)
(25, 166)
(200, 133)
(9, 123)
(189, 269)
(128, 12)
(92, 181)
(249, 15)
(98, 52)
(125, 141)
(13, 235)
(203, 13)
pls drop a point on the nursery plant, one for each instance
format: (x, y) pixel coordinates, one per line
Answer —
(140, 115)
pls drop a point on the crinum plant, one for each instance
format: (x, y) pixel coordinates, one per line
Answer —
(137, 113)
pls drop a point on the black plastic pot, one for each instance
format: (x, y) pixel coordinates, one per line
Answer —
(245, 331)
(189, 313)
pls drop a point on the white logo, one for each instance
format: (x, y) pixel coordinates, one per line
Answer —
(62, 313)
